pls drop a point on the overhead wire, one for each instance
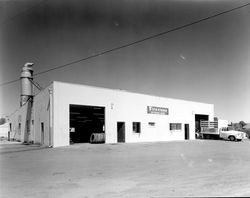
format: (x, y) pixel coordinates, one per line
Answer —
(12, 18)
(36, 84)
(29, 99)
(132, 43)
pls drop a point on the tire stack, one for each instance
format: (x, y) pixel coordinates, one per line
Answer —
(97, 138)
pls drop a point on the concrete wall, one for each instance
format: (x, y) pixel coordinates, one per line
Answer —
(18, 124)
(41, 109)
(4, 129)
(39, 114)
(126, 107)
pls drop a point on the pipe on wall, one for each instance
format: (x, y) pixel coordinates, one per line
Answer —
(50, 117)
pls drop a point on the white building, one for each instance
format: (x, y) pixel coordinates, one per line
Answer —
(122, 116)
(4, 129)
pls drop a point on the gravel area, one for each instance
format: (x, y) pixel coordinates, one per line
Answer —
(160, 169)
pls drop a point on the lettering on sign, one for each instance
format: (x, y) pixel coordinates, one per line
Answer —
(157, 110)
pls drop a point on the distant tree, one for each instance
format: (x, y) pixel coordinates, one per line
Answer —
(238, 126)
(2, 121)
(242, 124)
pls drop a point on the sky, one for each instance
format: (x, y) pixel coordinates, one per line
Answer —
(207, 62)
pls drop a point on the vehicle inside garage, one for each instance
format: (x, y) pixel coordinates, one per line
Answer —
(84, 121)
(198, 118)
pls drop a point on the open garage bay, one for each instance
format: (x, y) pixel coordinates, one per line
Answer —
(185, 168)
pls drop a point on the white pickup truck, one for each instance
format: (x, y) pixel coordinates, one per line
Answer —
(232, 135)
(210, 130)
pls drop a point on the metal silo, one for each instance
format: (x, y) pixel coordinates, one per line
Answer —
(26, 83)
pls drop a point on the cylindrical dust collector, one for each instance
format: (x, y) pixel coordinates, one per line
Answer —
(26, 84)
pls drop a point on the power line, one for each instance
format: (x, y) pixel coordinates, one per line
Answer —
(12, 18)
(134, 42)
(36, 84)
(19, 108)
(9, 82)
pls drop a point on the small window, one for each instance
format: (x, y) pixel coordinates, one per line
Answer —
(136, 127)
(175, 126)
(32, 122)
(152, 124)
(19, 128)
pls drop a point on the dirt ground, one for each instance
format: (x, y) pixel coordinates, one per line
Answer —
(162, 169)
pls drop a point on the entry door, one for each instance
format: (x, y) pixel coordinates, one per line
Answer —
(186, 131)
(120, 131)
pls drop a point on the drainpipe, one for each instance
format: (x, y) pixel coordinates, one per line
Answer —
(50, 117)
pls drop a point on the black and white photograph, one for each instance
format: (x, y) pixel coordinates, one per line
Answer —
(124, 98)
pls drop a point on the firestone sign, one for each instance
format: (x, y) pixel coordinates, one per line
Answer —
(157, 110)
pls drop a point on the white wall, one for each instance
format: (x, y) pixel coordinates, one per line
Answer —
(4, 129)
(41, 115)
(18, 117)
(127, 107)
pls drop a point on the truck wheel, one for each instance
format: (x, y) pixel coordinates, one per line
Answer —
(231, 138)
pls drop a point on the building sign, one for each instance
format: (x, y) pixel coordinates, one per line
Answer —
(157, 110)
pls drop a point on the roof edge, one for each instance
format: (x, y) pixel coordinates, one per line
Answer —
(122, 90)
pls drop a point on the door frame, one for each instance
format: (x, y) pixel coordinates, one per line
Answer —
(124, 132)
(186, 132)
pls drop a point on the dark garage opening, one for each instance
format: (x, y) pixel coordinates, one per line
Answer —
(85, 120)
(198, 118)
(120, 131)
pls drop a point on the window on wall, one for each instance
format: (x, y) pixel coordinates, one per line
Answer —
(175, 126)
(152, 124)
(136, 127)
(19, 128)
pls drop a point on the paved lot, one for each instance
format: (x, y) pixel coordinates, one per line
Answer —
(186, 168)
